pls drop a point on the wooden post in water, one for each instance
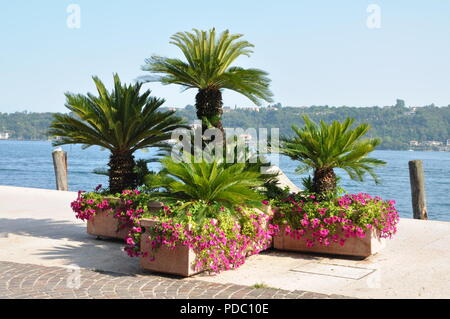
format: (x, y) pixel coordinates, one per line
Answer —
(60, 164)
(417, 179)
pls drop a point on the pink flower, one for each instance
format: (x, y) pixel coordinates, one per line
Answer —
(137, 229)
(315, 222)
(324, 232)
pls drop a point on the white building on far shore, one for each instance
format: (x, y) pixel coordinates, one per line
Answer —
(4, 135)
(433, 143)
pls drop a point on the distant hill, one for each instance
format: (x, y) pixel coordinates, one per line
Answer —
(25, 125)
(395, 125)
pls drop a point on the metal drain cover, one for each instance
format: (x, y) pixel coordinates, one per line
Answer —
(334, 270)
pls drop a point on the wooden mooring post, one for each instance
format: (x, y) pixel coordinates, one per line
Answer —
(417, 179)
(60, 165)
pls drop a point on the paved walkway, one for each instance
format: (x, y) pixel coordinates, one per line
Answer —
(38, 227)
(31, 281)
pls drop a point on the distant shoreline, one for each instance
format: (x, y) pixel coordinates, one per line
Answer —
(20, 140)
(399, 127)
(379, 148)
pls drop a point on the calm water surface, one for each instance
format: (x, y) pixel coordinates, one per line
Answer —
(29, 164)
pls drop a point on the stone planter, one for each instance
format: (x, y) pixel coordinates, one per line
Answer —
(354, 246)
(177, 261)
(103, 223)
(155, 206)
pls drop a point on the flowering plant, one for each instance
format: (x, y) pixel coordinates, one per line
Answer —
(87, 204)
(126, 207)
(221, 242)
(334, 220)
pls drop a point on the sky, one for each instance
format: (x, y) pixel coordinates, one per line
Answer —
(317, 52)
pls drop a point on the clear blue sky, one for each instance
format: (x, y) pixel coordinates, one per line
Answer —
(317, 52)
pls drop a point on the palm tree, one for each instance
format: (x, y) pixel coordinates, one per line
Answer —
(122, 121)
(208, 69)
(328, 146)
(140, 170)
(212, 182)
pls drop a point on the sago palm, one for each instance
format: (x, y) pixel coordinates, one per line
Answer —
(122, 121)
(207, 181)
(208, 68)
(327, 146)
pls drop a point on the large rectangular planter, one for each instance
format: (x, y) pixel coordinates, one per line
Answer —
(177, 261)
(103, 224)
(354, 246)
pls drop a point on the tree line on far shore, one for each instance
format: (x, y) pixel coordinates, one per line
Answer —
(395, 125)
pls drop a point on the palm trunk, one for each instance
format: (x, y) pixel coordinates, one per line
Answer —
(121, 174)
(209, 106)
(324, 181)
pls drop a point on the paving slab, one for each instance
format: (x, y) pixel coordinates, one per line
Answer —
(333, 270)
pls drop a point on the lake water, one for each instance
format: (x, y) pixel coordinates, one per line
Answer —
(29, 164)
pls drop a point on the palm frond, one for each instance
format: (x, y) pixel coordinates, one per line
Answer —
(229, 184)
(335, 145)
(123, 119)
(208, 64)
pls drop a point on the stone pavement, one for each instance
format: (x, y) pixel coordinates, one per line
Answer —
(25, 281)
(38, 227)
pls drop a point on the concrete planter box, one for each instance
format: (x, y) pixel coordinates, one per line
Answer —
(177, 261)
(103, 223)
(155, 206)
(354, 246)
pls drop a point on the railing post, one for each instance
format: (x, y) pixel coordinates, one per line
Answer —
(417, 180)
(60, 165)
